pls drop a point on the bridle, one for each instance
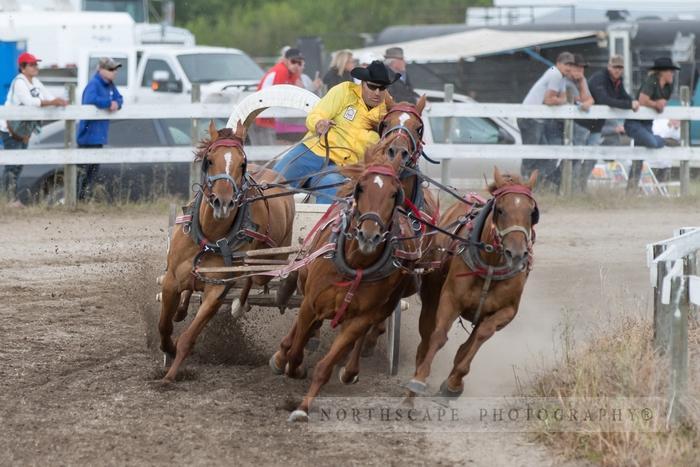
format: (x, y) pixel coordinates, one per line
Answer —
(208, 180)
(371, 215)
(416, 142)
(528, 232)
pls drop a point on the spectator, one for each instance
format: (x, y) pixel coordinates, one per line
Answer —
(401, 90)
(286, 71)
(654, 93)
(550, 89)
(25, 89)
(348, 117)
(339, 71)
(607, 89)
(313, 85)
(103, 94)
(577, 87)
(670, 131)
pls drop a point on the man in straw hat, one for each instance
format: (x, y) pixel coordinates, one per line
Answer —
(341, 127)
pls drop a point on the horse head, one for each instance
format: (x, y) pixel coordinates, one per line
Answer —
(514, 214)
(377, 194)
(405, 120)
(223, 168)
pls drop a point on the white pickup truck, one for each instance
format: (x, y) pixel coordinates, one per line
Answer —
(165, 74)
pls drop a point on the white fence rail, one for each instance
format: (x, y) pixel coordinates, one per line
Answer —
(434, 109)
(263, 153)
(673, 272)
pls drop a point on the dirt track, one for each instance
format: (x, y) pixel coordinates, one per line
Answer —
(78, 376)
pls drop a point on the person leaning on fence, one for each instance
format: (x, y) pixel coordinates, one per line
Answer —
(401, 90)
(343, 62)
(654, 93)
(103, 94)
(25, 89)
(550, 89)
(577, 87)
(608, 89)
(348, 117)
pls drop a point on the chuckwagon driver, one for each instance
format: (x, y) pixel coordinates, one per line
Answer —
(346, 120)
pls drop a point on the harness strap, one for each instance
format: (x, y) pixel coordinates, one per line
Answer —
(482, 297)
(352, 285)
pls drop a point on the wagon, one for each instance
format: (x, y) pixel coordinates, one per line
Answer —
(307, 214)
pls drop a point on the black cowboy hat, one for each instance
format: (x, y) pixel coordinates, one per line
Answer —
(664, 63)
(376, 72)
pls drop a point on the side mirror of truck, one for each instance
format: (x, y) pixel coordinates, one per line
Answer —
(163, 82)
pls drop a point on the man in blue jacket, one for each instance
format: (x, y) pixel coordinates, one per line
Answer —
(102, 93)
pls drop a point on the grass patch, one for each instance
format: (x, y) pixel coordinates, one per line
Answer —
(619, 361)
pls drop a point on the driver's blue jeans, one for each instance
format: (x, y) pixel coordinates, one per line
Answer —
(300, 161)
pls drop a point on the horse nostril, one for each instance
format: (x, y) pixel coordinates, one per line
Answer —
(404, 154)
(216, 203)
(376, 238)
(392, 153)
(508, 254)
(230, 204)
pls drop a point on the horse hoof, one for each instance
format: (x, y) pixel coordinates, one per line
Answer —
(159, 279)
(341, 377)
(167, 360)
(299, 373)
(446, 392)
(273, 365)
(313, 344)
(298, 416)
(180, 314)
(417, 387)
(236, 310)
(404, 305)
(159, 297)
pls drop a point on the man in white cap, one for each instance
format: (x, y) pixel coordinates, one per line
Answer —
(401, 90)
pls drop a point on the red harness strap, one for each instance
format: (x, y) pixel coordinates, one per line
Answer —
(353, 286)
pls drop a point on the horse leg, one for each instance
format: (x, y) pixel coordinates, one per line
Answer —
(305, 326)
(453, 386)
(324, 368)
(287, 287)
(430, 299)
(371, 338)
(348, 373)
(210, 305)
(279, 359)
(447, 313)
(238, 306)
(167, 310)
(182, 307)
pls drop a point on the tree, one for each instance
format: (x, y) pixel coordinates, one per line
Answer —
(262, 27)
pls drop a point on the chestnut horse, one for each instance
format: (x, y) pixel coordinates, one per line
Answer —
(365, 241)
(222, 213)
(482, 279)
(402, 129)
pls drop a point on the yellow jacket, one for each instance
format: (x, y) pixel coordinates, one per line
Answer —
(355, 124)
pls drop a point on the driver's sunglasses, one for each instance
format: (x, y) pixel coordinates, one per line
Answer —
(375, 87)
(618, 67)
(297, 62)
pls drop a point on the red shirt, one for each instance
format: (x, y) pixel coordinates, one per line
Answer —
(278, 74)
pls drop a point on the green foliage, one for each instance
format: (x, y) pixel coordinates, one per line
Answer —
(262, 27)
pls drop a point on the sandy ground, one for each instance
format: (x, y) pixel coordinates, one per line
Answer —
(78, 367)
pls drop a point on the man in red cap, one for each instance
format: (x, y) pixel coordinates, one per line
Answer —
(25, 89)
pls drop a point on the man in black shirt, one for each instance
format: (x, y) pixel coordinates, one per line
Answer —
(401, 90)
(607, 89)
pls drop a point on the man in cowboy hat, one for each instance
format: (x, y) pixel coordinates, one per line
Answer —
(654, 93)
(345, 122)
(401, 90)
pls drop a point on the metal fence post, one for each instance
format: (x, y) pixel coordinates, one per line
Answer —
(449, 123)
(566, 165)
(679, 347)
(685, 141)
(70, 171)
(662, 325)
(195, 167)
(393, 332)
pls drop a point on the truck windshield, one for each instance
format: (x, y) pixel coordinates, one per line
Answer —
(136, 8)
(206, 68)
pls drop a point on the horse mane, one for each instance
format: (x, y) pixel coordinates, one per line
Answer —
(355, 171)
(203, 145)
(510, 179)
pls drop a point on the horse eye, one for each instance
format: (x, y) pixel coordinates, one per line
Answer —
(499, 211)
